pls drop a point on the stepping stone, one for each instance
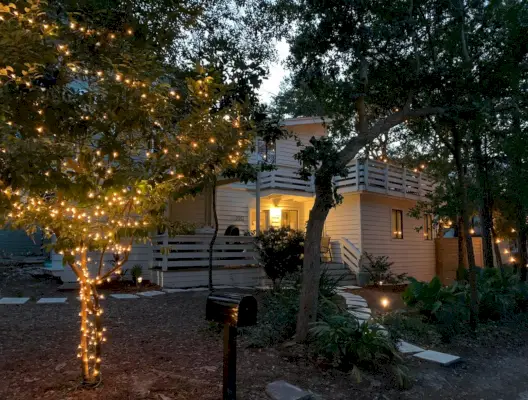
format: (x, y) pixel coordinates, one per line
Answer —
(408, 348)
(52, 300)
(437, 357)
(151, 293)
(356, 303)
(122, 296)
(347, 295)
(198, 289)
(362, 310)
(352, 287)
(14, 300)
(244, 287)
(282, 390)
(360, 315)
(175, 290)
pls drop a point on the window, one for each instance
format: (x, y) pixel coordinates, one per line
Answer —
(428, 227)
(266, 152)
(397, 224)
(290, 219)
(276, 217)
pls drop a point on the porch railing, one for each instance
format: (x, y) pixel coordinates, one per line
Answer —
(380, 177)
(368, 175)
(285, 178)
(192, 251)
(350, 254)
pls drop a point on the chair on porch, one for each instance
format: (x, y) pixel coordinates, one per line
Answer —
(326, 250)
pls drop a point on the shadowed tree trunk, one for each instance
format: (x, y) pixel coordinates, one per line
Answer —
(215, 233)
(485, 204)
(463, 199)
(462, 249)
(312, 259)
(521, 241)
(496, 249)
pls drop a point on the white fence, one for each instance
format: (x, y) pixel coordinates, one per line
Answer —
(192, 251)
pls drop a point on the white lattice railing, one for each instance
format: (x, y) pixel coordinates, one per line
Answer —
(192, 251)
(350, 255)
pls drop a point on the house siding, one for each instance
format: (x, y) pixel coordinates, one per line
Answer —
(344, 221)
(231, 206)
(287, 148)
(412, 254)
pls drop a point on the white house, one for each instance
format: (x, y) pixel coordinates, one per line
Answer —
(372, 218)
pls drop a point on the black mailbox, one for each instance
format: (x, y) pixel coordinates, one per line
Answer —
(232, 309)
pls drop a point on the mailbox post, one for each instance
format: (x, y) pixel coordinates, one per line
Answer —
(234, 310)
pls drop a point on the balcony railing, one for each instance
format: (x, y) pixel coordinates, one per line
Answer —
(367, 175)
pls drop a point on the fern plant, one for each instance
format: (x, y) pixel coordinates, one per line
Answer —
(353, 346)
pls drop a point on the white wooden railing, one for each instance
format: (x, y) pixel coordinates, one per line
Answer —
(368, 175)
(192, 251)
(380, 177)
(285, 178)
(350, 255)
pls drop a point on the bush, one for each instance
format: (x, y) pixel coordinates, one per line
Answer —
(280, 252)
(379, 269)
(446, 306)
(277, 317)
(352, 346)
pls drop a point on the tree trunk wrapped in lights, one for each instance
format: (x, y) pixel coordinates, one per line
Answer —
(97, 133)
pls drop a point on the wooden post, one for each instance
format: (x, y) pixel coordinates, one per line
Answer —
(386, 178)
(357, 173)
(365, 173)
(165, 259)
(404, 182)
(257, 203)
(230, 344)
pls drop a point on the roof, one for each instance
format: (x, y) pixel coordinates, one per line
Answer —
(302, 121)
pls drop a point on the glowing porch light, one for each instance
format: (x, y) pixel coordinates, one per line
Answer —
(275, 216)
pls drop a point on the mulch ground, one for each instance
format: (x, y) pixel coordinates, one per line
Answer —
(162, 348)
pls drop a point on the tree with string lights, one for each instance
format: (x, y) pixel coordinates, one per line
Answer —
(96, 133)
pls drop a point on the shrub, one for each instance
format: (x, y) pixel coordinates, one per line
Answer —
(446, 306)
(379, 269)
(136, 271)
(280, 252)
(349, 345)
(279, 308)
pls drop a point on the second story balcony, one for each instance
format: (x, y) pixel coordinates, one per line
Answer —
(363, 175)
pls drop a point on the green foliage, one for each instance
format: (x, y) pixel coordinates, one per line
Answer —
(135, 272)
(328, 285)
(379, 269)
(280, 252)
(430, 297)
(278, 312)
(501, 295)
(350, 345)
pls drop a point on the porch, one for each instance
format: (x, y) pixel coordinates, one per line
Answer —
(363, 175)
(183, 262)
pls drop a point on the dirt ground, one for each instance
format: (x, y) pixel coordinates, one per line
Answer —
(162, 348)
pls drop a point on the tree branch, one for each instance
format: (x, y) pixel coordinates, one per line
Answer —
(384, 125)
